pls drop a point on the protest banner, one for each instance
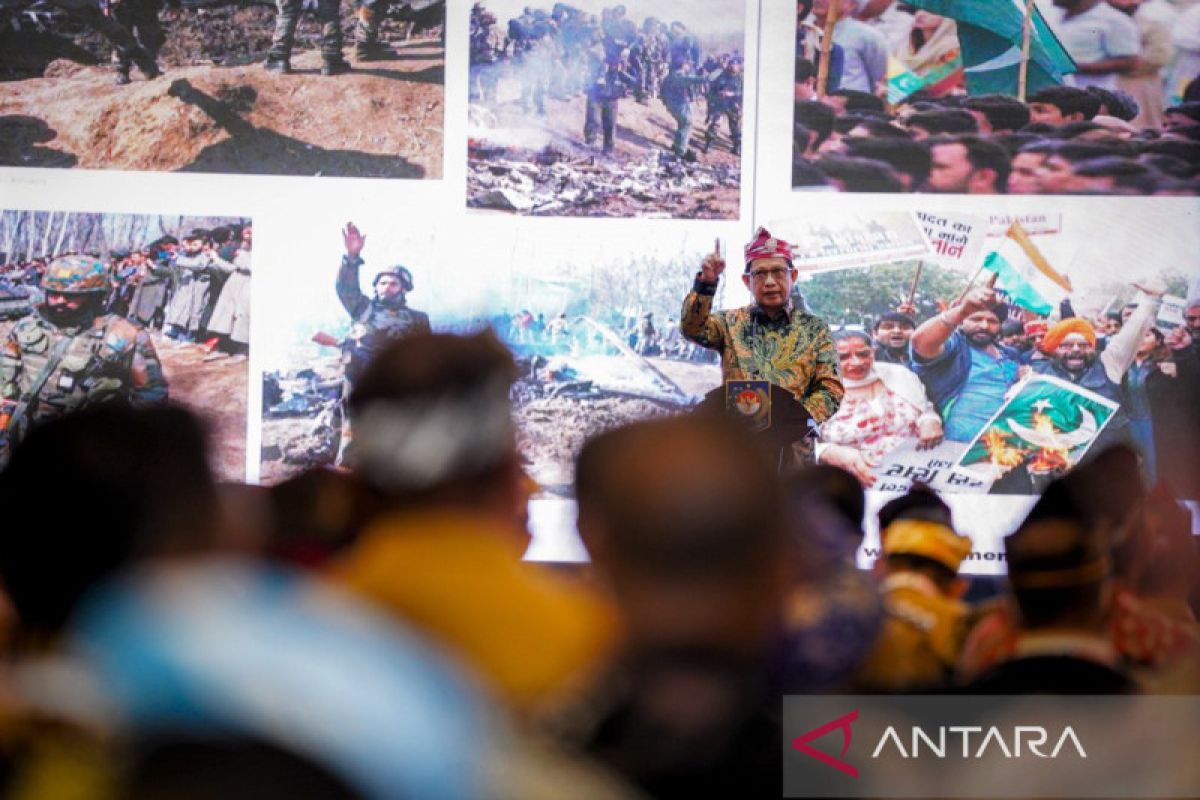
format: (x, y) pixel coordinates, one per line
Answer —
(956, 240)
(1170, 314)
(934, 468)
(823, 242)
(1035, 224)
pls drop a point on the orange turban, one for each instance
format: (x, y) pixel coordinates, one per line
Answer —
(1062, 330)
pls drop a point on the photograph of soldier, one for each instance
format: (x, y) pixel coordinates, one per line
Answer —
(915, 96)
(550, 136)
(217, 83)
(97, 287)
(595, 332)
(375, 321)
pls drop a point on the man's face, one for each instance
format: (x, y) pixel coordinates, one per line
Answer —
(855, 358)
(1113, 326)
(981, 328)
(389, 287)
(64, 309)
(1016, 340)
(1191, 318)
(806, 90)
(1023, 177)
(1053, 175)
(1075, 353)
(1047, 113)
(950, 170)
(770, 281)
(192, 246)
(247, 237)
(893, 334)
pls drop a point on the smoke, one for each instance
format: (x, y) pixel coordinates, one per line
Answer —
(710, 20)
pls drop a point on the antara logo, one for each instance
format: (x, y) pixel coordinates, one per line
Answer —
(1032, 736)
(921, 743)
(843, 722)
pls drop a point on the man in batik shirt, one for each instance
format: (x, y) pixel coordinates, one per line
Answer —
(770, 339)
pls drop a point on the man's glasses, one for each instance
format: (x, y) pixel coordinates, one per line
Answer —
(761, 275)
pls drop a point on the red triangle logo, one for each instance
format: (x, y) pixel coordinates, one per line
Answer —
(801, 743)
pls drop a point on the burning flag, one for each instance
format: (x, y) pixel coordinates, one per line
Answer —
(1043, 430)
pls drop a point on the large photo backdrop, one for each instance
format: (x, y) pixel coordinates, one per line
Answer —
(575, 177)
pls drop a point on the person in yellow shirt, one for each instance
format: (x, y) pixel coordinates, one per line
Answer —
(435, 456)
(925, 621)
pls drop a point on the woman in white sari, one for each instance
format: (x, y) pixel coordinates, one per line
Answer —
(885, 405)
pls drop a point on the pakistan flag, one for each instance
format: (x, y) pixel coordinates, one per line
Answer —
(989, 36)
(1046, 427)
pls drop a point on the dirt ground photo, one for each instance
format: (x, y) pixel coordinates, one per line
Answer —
(216, 108)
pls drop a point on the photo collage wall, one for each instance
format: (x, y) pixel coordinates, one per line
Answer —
(558, 171)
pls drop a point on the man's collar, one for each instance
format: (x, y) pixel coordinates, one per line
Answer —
(786, 315)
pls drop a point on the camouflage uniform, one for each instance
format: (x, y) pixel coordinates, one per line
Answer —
(366, 32)
(725, 95)
(487, 53)
(47, 370)
(288, 16)
(649, 57)
(140, 19)
(376, 322)
(609, 84)
(127, 47)
(677, 92)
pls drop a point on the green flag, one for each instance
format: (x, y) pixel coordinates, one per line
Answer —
(990, 33)
(1045, 414)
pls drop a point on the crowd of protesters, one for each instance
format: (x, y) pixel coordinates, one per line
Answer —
(194, 287)
(921, 381)
(1133, 129)
(375, 633)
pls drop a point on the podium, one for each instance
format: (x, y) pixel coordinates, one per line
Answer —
(773, 414)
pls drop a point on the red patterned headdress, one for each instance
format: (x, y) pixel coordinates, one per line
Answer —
(765, 245)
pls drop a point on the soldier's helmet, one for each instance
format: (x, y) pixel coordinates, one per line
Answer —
(400, 272)
(77, 274)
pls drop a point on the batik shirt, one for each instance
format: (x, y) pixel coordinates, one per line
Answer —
(793, 350)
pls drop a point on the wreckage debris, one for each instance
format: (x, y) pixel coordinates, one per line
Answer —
(550, 182)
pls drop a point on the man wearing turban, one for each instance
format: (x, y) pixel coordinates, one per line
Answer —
(1071, 347)
(770, 339)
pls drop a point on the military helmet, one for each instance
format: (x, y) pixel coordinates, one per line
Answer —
(401, 273)
(77, 274)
